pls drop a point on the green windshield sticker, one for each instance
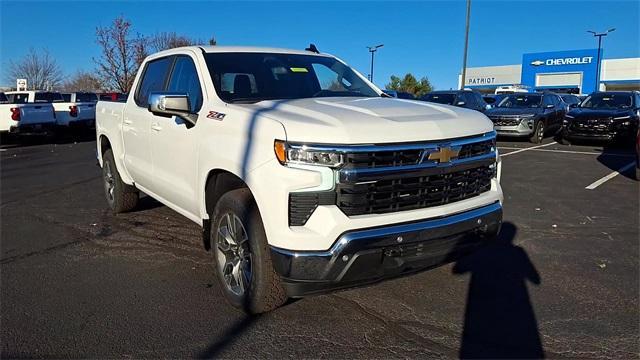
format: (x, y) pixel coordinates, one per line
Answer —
(299, 69)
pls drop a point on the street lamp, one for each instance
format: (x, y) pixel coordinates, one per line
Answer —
(466, 46)
(599, 36)
(372, 50)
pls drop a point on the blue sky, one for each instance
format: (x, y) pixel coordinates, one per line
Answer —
(421, 37)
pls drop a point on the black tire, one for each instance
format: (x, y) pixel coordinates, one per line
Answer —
(120, 196)
(561, 140)
(264, 291)
(538, 133)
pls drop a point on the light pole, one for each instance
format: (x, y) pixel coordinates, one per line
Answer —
(599, 36)
(466, 46)
(372, 50)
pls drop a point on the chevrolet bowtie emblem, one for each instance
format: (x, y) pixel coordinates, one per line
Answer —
(444, 154)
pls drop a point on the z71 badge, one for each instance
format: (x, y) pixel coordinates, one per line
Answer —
(216, 115)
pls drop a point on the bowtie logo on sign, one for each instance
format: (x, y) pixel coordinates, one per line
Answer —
(564, 61)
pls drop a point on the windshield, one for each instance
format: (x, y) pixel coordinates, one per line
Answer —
(570, 99)
(253, 77)
(521, 101)
(607, 101)
(447, 99)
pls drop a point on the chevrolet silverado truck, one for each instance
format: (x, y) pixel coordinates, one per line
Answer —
(82, 110)
(19, 117)
(304, 177)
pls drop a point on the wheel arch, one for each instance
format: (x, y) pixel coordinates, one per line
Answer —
(217, 183)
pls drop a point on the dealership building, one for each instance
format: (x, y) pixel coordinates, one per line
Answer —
(571, 71)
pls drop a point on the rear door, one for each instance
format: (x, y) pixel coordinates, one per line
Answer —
(136, 122)
(173, 140)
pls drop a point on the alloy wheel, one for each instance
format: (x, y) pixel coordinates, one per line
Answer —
(233, 254)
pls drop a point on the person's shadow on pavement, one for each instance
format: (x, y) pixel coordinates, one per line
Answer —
(499, 318)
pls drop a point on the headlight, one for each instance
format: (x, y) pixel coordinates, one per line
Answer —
(301, 154)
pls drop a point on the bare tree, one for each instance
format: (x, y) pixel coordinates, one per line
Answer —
(119, 62)
(169, 40)
(83, 81)
(39, 68)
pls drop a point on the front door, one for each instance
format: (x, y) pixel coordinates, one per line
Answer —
(174, 144)
(136, 123)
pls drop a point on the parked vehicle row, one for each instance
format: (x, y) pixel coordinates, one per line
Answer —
(608, 116)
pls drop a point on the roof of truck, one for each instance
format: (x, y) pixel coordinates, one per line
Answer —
(239, 49)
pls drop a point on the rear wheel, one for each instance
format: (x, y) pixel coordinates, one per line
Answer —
(242, 256)
(120, 196)
(538, 133)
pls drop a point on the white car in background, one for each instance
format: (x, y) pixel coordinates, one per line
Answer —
(17, 117)
(67, 114)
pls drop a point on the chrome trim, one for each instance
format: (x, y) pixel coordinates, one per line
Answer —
(363, 174)
(362, 235)
(435, 144)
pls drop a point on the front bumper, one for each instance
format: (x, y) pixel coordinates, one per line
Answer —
(364, 256)
(619, 134)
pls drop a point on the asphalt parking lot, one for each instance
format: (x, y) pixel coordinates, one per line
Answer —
(77, 281)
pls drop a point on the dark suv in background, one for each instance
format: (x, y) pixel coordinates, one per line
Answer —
(571, 100)
(610, 116)
(529, 115)
(462, 98)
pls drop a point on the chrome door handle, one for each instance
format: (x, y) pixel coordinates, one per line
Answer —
(156, 127)
(127, 122)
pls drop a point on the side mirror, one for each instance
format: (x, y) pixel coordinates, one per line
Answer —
(487, 107)
(460, 103)
(171, 104)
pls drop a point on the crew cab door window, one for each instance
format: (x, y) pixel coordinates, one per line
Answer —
(184, 79)
(153, 80)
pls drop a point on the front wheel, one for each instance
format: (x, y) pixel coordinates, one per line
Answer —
(538, 133)
(242, 256)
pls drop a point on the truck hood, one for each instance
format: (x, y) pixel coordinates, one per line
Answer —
(349, 120)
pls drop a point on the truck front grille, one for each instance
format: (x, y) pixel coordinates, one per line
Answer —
(379, 179)
(413, 192)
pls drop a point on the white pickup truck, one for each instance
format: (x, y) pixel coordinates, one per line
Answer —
(85, 110)
(68, 113)
(18, 117)
(304, 177)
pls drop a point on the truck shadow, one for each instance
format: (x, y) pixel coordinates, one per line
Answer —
(616, 158)
(499, 319)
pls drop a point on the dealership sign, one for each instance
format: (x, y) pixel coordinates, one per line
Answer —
(536, 66)
(564, 61)
(481, 80)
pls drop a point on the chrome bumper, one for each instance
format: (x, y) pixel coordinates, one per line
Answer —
(364, 256)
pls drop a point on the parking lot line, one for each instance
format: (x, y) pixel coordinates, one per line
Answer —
(568, 151)
(529, 148)
(610, 176)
